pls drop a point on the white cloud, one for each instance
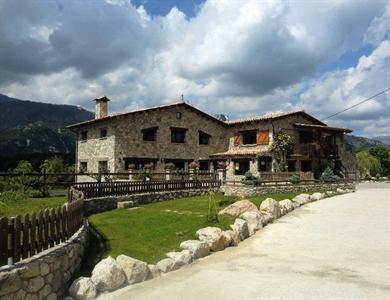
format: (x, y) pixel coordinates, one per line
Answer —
(234, 57)
(340, 89)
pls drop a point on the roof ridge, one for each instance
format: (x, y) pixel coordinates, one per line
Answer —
(269, 115)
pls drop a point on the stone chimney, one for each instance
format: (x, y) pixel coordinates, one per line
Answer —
(101, 107)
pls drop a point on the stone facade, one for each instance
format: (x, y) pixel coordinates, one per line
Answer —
(117, 141)
(46, 275)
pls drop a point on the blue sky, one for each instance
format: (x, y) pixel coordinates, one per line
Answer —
(163, 7)
(240, 58)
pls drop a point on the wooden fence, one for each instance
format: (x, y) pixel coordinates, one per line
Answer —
(118, 188)
(24, 236)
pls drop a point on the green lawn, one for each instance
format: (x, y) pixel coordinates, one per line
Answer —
(28, 205)
(150, 231)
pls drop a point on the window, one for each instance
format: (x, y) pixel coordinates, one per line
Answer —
(84, 135)
(178, 135)
(178, 115)
(149, 134)
(83, 166)
(306, 137)
(204, 138)
(241, 166)
(103, 132)
(249, 137)
(103, 166)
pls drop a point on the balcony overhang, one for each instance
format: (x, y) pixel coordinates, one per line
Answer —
(323, 127)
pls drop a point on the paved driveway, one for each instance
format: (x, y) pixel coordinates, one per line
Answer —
(337, 248)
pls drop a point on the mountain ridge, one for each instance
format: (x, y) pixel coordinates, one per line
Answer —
(35, 131)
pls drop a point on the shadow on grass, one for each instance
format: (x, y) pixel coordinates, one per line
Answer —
(98, 249)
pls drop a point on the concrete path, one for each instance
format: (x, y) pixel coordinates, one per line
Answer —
(337, 248)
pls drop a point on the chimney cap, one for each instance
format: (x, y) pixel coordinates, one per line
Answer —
(102, 98)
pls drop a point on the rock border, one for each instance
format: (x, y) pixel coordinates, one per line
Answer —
(111, 274)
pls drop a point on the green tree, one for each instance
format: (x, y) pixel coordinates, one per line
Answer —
(280, 146)
(23, 181)
(382, 153)
(368, 164)
(52, 165)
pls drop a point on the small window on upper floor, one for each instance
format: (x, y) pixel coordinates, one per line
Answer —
(103, 132)
(83, 167)
(204, 138)
(149, 134)
(178, 135)
(103, 166)
(84, 135)
(249, 137)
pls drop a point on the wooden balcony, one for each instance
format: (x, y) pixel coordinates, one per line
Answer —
(307, 151)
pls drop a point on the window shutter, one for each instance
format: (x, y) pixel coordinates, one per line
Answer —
(262, 137)
(236, 138)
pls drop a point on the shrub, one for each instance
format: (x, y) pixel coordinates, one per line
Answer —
(251, 179)
(194, 165)
(295, 179)
(212, 213)
(149, 166)
(222, 164)
(329, 176)
(169, 166)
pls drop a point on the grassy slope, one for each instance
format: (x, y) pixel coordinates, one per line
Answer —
(29, 205)
(150, 231)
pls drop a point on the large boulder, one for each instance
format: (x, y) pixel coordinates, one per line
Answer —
(232, 237)
(238, 208)
(317, 196)
(182, 258)
(270, 207)
(83, 288)
(167, 264)
(135, 270)
(108, 275)
(330, 193)
(154, 271)
(213, 236)
(286, 206)
(254, 219)
(197, 248)
(241, 227)
(340, 191)
(301, 199)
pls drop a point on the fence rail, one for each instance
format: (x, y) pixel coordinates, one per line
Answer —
(24, 236)
(118, 188)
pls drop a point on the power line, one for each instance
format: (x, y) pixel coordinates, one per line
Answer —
(357, 104)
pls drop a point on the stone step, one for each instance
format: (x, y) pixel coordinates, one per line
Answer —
(127, 204)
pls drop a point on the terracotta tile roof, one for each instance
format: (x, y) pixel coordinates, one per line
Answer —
(239, 152)
(322, 127)
(273, 115)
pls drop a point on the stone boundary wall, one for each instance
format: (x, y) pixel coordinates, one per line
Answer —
(101, 204)
(48, 274)
(246, 190)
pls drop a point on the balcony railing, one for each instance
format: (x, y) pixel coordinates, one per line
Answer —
(311, 150)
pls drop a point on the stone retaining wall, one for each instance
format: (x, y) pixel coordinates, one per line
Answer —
(46, 275)
(248, 190)
(101, 204)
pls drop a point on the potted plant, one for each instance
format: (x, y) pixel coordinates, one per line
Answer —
(169, 166)
(221, 164)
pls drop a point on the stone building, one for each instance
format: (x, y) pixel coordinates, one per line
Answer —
(179, 133)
